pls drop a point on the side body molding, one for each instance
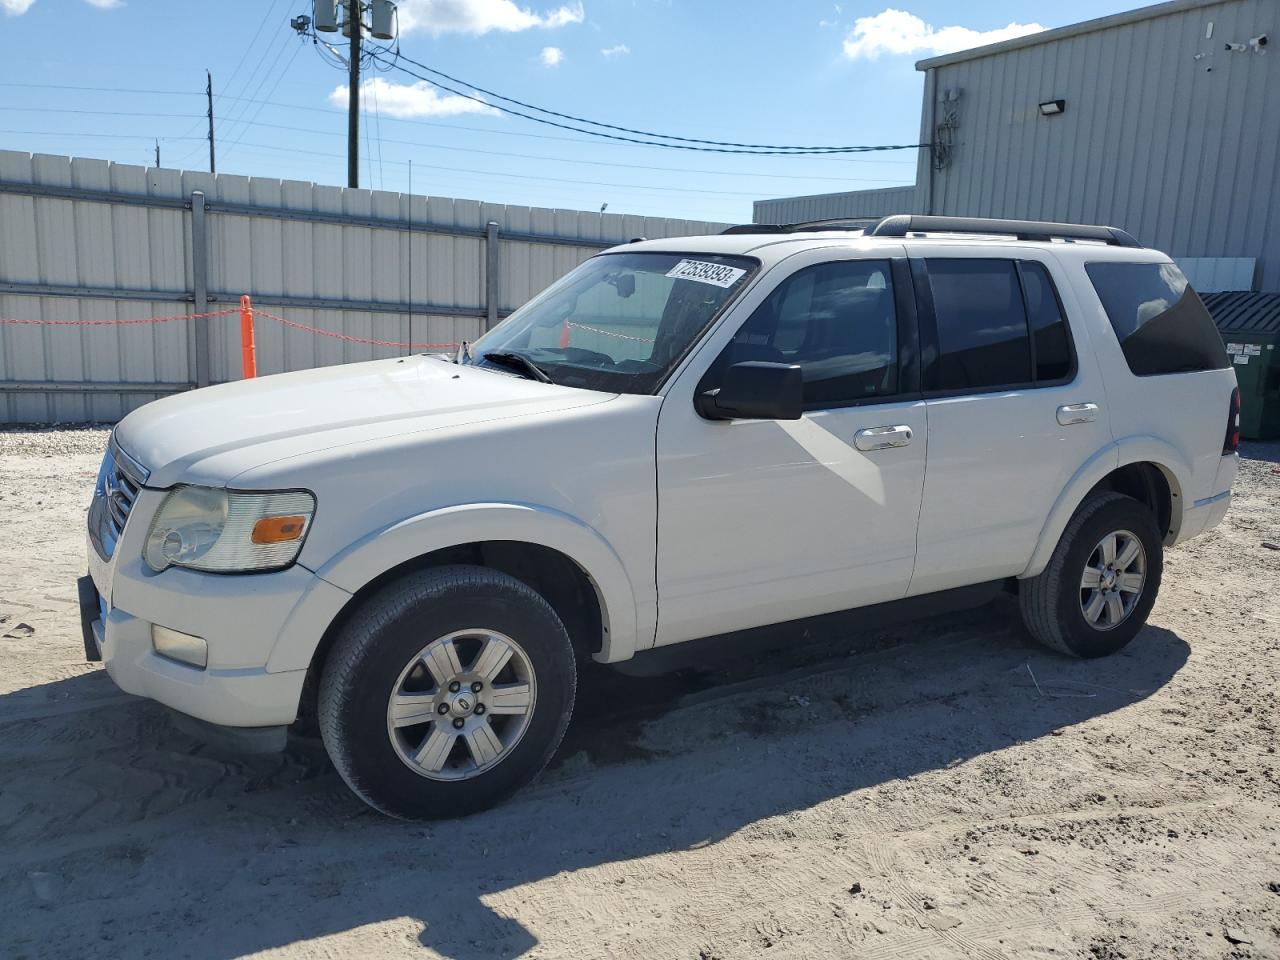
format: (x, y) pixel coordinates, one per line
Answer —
(626, 623)
(1136, 449)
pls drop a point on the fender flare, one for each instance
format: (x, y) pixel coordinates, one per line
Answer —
(1136, 449)
(407, 539)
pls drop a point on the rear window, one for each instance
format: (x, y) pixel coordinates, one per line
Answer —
(1159, 320)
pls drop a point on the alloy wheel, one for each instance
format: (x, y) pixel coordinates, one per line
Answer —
(1113, 579)
(461, 704)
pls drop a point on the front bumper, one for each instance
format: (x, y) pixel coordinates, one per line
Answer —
(235, 697)
(261, 630)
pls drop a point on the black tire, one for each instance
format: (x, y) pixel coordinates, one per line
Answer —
(386, 633)
(1051, 602)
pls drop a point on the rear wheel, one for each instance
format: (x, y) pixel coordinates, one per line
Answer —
(1101, 582)
(446, 692)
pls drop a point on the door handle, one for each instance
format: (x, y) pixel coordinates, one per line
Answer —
(1077, 413)
(882, 438)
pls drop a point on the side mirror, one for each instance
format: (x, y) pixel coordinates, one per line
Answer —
(755, 390)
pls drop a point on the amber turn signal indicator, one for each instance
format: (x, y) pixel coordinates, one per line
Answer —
(278, 529)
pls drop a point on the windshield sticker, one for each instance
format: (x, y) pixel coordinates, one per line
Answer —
(716, 274)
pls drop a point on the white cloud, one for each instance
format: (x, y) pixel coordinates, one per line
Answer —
(105, 4)
(15, 8)
(551, 56)
(479, 16)
(407, 99)
(617, 50)
(897, 32)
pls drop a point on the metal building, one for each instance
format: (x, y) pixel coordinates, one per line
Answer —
(1164, 121)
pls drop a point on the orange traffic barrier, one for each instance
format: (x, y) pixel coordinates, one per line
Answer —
(248, 352)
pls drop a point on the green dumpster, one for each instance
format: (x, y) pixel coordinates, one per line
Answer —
(1250, 327)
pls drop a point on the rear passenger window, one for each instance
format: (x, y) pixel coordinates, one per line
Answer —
(982, 325)
(1050, 342)
(837, 321)
(1160, 322)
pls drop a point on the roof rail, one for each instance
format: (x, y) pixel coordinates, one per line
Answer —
(754, 228)
(836, 223)
(900, 225)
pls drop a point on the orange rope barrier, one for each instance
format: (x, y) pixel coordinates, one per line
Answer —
(115, 323)
(351, 339)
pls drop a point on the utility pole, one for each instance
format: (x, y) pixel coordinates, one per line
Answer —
(383, 25)
(208, 92)
(355, 25)
(157, 152)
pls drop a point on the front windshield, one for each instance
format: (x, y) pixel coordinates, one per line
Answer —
(620, 322)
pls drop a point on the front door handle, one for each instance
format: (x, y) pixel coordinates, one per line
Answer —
(1077, 413)
(882, 438)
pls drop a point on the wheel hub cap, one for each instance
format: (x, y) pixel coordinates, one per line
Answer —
(461, 704)
(1113, 580)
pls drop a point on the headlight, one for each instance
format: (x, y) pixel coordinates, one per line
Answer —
(228, 531)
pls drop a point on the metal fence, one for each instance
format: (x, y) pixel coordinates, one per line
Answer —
(84, 241)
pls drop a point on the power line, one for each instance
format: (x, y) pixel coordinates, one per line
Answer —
(270, 60)
(497, 153)
(67, 86)
(685, 143)
(107, 136)
(218, 97)
(519, 176)
(254, 118)
(101, 113)
(594, 163)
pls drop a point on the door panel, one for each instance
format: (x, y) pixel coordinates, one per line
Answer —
(1000, 457)
(763, 521)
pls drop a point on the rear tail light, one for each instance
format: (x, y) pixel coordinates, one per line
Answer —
(1232, 443)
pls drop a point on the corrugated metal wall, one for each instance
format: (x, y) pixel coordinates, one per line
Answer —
(1166, 133)
(314, 254)
(858, 203)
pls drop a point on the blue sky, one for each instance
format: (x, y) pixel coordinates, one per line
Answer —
(793, 72)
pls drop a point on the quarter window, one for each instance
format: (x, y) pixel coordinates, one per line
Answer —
(982, 324)
(837, 322)
(1160, 322)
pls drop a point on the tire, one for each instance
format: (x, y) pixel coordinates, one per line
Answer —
(1054, 603)
(373, 741)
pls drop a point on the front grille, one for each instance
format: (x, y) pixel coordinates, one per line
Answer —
(119, 482)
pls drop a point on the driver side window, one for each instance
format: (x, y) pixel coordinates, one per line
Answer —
(837, 321)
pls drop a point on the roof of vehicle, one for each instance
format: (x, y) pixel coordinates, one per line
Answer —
(773, 241)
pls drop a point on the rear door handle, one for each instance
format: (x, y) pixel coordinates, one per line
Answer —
(882, 438)
(1077, 413)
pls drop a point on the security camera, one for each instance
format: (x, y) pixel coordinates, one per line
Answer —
(1237, 47)
(1259, 42)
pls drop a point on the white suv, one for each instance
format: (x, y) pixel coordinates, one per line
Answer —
(679, 439)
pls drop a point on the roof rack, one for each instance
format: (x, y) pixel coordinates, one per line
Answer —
(901, 225)
(836, 223)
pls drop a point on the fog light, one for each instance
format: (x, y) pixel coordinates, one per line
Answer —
(179, 646)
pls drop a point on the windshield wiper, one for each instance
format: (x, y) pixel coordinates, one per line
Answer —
(518, 362)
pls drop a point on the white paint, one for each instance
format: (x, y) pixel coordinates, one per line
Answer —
(745, 523)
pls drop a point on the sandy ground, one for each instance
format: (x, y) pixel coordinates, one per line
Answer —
(937, 790)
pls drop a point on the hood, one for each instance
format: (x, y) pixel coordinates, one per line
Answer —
(211, 435)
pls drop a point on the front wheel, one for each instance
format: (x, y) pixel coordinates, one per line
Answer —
(446, 692)
(1101, 582)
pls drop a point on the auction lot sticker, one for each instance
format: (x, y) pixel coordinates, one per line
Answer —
(716, 274)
